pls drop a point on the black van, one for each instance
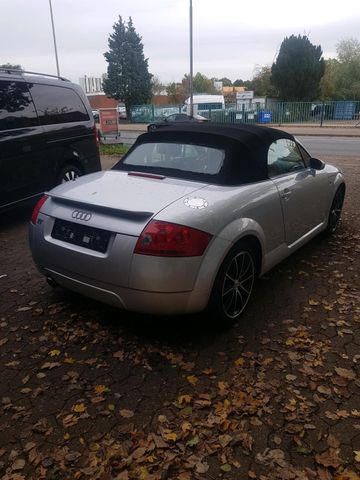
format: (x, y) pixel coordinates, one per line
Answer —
(47, 134)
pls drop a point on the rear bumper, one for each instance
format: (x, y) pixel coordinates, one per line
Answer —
(158, 303)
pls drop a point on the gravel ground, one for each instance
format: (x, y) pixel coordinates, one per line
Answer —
(90, 392)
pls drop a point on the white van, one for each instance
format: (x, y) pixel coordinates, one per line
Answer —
(204, 103)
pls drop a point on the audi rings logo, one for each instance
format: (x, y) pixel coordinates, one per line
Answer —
(81, 215)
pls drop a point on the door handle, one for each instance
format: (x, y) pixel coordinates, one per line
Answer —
(286, 194)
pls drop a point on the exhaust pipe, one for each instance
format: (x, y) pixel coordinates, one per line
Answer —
(51, 282)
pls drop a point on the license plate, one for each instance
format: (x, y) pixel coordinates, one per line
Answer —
(81, 235)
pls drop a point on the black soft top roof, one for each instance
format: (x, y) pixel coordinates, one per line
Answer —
(246, 146)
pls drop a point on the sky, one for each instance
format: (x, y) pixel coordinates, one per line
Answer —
(231, 37)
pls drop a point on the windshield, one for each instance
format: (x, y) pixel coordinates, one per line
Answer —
(177, 156)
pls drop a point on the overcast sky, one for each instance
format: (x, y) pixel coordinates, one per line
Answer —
(231, 37)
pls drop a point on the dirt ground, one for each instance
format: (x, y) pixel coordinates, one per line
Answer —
(91, 392)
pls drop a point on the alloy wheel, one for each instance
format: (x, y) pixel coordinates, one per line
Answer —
(335, 212)
(238, 284)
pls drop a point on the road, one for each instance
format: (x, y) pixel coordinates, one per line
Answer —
(334, 146)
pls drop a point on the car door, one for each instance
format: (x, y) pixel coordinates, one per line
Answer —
(303, 191)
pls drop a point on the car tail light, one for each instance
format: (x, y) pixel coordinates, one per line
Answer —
(96, 136)
(165, 239)
(36, 211)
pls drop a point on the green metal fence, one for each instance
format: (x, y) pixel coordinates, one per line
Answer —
(280, 113)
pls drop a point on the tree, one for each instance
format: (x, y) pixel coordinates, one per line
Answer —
(298, 69)
(348, 50)
(201, 84)
(156, 86)
(128, 78)
(261, 82)
(226, 82)
(341, 80)
(176, 93)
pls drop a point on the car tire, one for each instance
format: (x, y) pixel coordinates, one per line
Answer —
(152, 127)
(68, 173)
(335, 211)
(234, 284)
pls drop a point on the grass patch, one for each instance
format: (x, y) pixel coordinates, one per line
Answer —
(115, 149)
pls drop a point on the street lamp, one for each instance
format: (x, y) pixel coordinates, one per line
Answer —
(191, 62)
(53, 31)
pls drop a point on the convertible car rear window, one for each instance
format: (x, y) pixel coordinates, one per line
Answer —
(177, 156)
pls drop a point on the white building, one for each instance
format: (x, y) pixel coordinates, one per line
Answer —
(92, 85)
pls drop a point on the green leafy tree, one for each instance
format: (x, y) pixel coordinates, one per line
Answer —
(176, 93)
(341, 80)
(201, 84)
(347, 74)
(298, 69)
(226, 82)
(128, 78)
(261, 83)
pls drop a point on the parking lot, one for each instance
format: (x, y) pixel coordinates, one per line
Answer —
(88, 391)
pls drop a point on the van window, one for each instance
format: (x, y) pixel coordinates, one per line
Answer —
(16, 107)
(57, 104)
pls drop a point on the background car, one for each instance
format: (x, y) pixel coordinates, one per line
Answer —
(47, 134)
(189, 218)
(176, 118)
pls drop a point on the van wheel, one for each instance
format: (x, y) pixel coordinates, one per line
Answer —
(234, 284)
(68, 174)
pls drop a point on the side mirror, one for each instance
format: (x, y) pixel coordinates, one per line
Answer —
(316, 164)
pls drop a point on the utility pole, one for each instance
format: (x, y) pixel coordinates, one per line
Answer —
(53, 31)
(191, 62)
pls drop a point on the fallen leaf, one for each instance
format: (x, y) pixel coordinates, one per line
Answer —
(357, 455)
(184, 399)
(101, 389)
(126, 413)
(70, 420)
(329, 458)
(50, 365)
(192, 379)
(313, 302)
(324, 389)
(170, 436)
(79, 408)
(239, 362)
(202, 467)
(19, 464)
(347, 475)
(193, 441)
(225, 439)
(54, 353)
(345, 373)
(225, 467)
(186, 412)
(3, 341)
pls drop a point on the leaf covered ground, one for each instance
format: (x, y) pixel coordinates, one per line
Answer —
(90, 392)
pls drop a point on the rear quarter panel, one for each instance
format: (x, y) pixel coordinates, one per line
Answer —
(230, 213)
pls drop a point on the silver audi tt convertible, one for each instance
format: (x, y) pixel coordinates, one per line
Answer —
(187, 219)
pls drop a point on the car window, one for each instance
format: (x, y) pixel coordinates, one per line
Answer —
(16, 106)
(305, 155)
(284, 157)
(57, 104)
(185, 157)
